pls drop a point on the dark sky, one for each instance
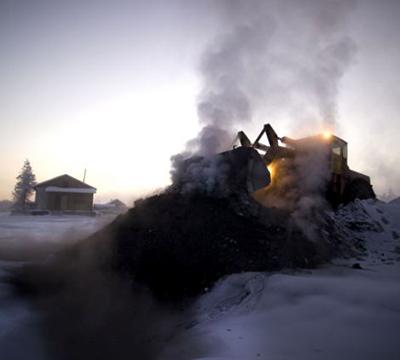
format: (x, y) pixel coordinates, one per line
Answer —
(112, 86)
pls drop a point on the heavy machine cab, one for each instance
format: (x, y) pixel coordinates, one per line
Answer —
(346, 185)
(338, 155)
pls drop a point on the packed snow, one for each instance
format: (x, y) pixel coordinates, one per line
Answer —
(349, 309)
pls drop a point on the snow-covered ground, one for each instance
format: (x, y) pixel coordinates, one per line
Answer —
(337, 312)
(340, 311)
(24, 237)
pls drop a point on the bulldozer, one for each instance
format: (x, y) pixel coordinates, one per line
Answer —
(342, 185)
(255, 169)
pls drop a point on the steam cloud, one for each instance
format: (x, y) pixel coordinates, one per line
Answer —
(280, 59)
(276, 60)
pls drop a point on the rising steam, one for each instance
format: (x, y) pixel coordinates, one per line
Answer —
(280, 59)
(276, 61)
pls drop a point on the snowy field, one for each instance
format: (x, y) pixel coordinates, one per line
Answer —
(29, 237)
(336, 312)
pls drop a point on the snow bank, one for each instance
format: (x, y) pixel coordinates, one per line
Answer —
(334, 313)
(395, 201)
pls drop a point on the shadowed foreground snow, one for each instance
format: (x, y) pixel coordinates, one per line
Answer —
(328, 314)
(337, 312)
(25, 238)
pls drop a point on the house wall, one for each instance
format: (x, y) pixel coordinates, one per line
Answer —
(61, 201)
(69, 201)
(41, 199)
(66, 200)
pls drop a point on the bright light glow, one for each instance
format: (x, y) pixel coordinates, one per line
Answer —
(271, 169)
(326, 134)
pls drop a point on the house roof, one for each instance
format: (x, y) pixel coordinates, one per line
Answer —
(64, 181)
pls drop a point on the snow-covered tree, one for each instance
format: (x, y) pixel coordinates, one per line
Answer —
(26, 180)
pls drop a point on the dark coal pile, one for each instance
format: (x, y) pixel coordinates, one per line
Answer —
(138, 274)
(179, 245)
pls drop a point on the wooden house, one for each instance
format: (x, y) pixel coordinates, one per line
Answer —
(64, 194)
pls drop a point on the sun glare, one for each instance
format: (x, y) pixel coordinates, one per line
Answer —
(125, 143)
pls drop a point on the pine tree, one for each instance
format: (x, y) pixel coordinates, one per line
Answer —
(26, 180)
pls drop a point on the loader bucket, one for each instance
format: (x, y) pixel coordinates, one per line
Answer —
(234, 172)
(247, 170)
